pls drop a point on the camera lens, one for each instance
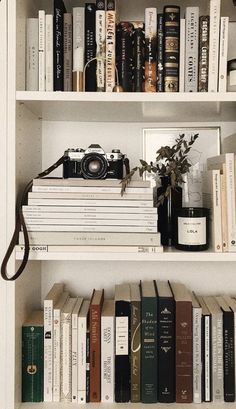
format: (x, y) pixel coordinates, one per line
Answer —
(93, 166)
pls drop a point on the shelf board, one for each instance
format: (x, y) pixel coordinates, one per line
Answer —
(130, 107)
(167, 255)
(61, 405)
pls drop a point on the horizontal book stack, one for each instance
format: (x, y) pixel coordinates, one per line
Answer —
(78, 213)
(100, 348)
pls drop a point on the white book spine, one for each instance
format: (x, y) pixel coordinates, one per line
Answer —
(217, 219)
(191, 49)
(230, 191)
(235, 344)
(78, 39)
(41, 49)
(217, 358)
(182, 55)
(92, 202)
(82, 327)
(56, 355)
(36, 217)
(48, 350)
(71, 228)
(215, 6)
(110, 49)
(224, 216)
(197, 355)
(107, 359)
(66, 386)
(49, 52)
(207, 359)
(91, 249)
(90, 222)
(224, 32)
(74, 358)
(90, 210)
(32, 55)
(90, 195)
(101, 48)
(85, 189)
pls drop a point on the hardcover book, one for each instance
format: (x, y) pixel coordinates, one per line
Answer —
(150, 49)
(183, 344)
(197, 350)
(90, 47)
(160, 52)
(171, 49)
(87, 182)
(78, 48)
(42, 50)
(182, 55)
(122, 343)
(32, 358)
(191, 49)
(204, 31)
(74, 349)
(165, 343)
(149, 342)
(59, 10)
(215, 7)
(49, 52)
(110, 45)
(139, 56)
(124, 54)
(135, 343)
(67, 51)
(83, 351)
(107, 351)
(32, 54)
(223, 53)
(101, 43)
(95, 344)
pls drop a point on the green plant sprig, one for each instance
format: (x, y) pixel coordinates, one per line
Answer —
(170, 161)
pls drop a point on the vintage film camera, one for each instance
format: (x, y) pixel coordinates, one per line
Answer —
(94, 163)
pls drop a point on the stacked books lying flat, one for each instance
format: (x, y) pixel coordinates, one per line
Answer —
(154, 342)
(79, 213)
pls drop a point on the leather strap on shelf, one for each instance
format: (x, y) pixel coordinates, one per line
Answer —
(20, 225)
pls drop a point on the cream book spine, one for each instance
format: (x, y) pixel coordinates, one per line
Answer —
(89, 195)
(107, 351)
(74, 350)
(224, 217)
(82, 330)
(182, 55)
(42, 50)
(78, 48)
(224, 33)
(215, 6)
(32, 54)
(49, 52)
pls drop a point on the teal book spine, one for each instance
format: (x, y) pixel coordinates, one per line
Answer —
(32, 363)
(149, 350)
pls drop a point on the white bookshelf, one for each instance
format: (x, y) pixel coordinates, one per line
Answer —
(37, 128)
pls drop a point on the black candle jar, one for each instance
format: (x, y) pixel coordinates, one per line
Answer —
(192, 228)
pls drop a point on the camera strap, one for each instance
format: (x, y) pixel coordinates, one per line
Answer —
(20, 225)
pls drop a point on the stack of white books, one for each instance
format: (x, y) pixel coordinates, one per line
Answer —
(91, 215)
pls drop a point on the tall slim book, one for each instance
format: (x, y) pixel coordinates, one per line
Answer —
(110, 45)
(59, 10)
(78, 48)
(49, 302)
(42, 49)
(191, 49)
(217, 370)
(107, 351)
(231, 302)
(215, 6)
(228, 349)
(101, 43)
(197, 350)
(171, 49)
(66, 350)
(149, 342)
(67, 51)
(223, 53)
(83, 324)
(122, 343)
(124, 54)
(90, 47)
(95, 344)
(32, 358)
(57, 345)
(49, 52)
(135, 342)
(165, 343)
(160, 52)
(204, 31)
(139, 56)
(32, 54)
(224, 216)
(150, 49)
(182, 55)
(74, 349)
(183, 343)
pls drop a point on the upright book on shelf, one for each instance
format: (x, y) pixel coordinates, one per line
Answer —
(139, 55)
(165, 343)
(32, 358)
(49, 53)
(160, 52)
(223, 53)
(78, 48)
(197, 350)
(90, 48)
(191, 49)
(204, 29)
(122, 343)
(150, 49)
(32, 54)
(74, 349)
(49, 302)
(59, 10)
(107, 351)
(135, 342)
(83, 324)
(215, 7)
(110, 45)
(183, 343)
(42, 49)
(101, 43)
(148, 342)
(95, 344)
(124, 54)
(182, 55)
(67, 51)
(171, 48)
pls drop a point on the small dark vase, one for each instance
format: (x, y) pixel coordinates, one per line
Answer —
(166, 211)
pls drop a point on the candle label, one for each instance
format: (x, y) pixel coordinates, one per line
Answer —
(192, 231)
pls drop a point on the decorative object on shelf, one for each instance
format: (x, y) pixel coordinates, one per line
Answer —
(170, 166)
(192, 229)
(116, 88)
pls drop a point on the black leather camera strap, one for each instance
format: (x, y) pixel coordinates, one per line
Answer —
(20, 224)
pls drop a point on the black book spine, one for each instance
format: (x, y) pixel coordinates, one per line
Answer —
(228, 354)
(124, 55)
(59, 10)
(139, 58)
(122, 354)
(87, 366)
(90, 47)
(160, 52)
(166, 350)
(204, 32)
(171, 50)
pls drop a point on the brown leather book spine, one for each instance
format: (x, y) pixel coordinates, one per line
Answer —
(184, 355)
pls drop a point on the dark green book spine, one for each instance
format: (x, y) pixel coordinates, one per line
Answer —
(32, 364)
(171, 50)
(135, 350)
(149, 350)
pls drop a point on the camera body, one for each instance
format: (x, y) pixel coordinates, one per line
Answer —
(93, 163)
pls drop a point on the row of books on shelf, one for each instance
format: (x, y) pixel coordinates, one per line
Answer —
(89, 50)
(155, 342)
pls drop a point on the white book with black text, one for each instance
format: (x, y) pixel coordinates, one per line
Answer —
(191, 49)
(224, 32)
(82, 345)
(32, 54)
(182, 55)
(215, 6)
(42, 50)
(49, 52)
(74, 350)
(107, 351)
